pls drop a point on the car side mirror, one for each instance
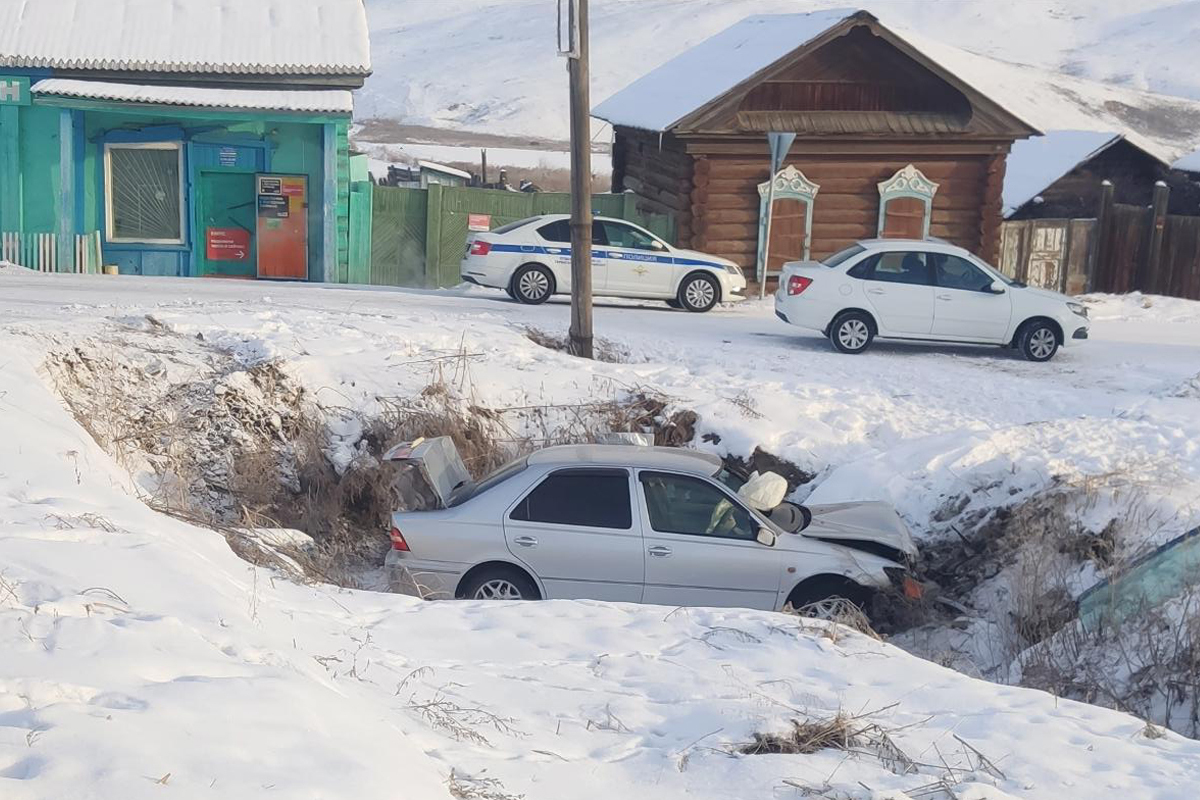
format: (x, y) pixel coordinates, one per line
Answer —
(765, 537)
(657, 245)
(996, 288)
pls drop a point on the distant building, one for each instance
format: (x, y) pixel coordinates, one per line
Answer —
(1060, 175)
(191, 137)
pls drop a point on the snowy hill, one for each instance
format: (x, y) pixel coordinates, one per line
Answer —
(490, 64)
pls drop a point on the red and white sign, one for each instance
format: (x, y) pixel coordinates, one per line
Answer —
(479, 222)
(227, 244)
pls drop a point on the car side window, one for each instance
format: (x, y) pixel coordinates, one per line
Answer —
(599, 236)
(626, 236)
(593, 498)
(687, 505)
(895, 266)
(957, 273)
(557, 231)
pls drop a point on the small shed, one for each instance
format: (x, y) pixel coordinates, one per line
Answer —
(887, 141)
(190, 138)
(1060, 175)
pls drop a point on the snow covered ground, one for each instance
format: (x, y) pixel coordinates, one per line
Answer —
(490, 64)
(139, 656)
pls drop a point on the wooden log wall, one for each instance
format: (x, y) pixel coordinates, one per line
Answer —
(725, 200)
(659, 172)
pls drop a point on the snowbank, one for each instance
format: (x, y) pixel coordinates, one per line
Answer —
(140, 653)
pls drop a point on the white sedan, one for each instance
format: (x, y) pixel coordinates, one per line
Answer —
(531, 260)
(924, 290)
(633, 524)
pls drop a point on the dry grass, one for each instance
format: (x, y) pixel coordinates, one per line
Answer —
(604, 350)
(839, 732)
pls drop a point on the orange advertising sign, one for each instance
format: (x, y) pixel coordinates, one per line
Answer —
(282, 204)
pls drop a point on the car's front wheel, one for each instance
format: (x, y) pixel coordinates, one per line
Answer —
(532, 284)
(852, 332)
(698, 293)
(1038, 341)
(499, 583)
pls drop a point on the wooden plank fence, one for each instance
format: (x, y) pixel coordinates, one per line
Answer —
(1126, 248)
(419, 236)
(40, 252)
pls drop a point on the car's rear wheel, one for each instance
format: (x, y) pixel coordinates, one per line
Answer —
(499, 583)
(1038, 341)
(698, 293)
(532, 284)
(852, 332)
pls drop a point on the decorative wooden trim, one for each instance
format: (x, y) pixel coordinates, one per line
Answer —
(907, 183)
(789, 184)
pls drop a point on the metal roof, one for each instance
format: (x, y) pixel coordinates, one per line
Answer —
(628, 455)
(317, 101)
(250, 37)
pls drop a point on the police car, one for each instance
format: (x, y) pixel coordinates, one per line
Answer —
(531, 260)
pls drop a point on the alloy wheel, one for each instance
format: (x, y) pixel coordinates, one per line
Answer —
(699, 293)
(498, 589)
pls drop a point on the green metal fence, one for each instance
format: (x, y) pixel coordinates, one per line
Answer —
(419, 236)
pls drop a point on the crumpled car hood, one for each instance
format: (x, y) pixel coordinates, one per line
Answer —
(871, 521)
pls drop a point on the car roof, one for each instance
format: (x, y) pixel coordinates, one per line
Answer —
(934, 244)
(555, 217)
(629, 455)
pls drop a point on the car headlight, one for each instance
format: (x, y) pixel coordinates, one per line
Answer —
(1078, 308)
(733, 269)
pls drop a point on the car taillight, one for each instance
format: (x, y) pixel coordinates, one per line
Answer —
(398, 542)
(480, 248)
(797, 284)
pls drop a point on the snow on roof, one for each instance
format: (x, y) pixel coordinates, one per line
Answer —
(320, 101)
(1189, 163)
(664, 96)
(436, 167)
(1036, 163)
(218, 36)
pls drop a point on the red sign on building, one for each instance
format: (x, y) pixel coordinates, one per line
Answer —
(227, 244)
(479, 222)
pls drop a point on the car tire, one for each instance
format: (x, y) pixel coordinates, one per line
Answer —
(1038, 341)
(698, 293)
(674, 303)
(508, 290)
(828, 587)
(532, 284)
(852, 332)
(499, 583)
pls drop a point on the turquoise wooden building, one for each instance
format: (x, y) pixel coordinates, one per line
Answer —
(189, 138)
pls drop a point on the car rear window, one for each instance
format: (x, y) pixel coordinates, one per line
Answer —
(557, 231)
(512, 226)
(842, 256)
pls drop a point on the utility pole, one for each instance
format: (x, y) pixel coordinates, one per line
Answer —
(581, 175)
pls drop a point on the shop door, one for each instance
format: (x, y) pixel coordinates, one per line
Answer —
(227, 218)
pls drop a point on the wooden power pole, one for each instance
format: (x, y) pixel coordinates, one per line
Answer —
(581, 179)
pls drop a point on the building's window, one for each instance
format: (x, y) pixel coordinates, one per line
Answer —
(906, 205)
(143, 192)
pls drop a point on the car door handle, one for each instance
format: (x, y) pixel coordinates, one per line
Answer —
(875, 291)
(526, 541)
(945, 297)
(660, 552)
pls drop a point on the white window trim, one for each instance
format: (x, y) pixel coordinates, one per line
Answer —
(108, 198)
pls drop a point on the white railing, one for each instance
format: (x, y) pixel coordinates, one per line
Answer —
(39, 251)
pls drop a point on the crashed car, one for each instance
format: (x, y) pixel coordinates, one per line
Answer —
(632, 524)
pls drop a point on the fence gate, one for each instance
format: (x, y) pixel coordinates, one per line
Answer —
(1048, 253)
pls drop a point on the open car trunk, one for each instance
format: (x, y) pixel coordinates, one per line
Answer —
(435, 472)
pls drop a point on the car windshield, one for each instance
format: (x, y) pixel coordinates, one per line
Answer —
(731, 480)
(844, 255)
(993, 272)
